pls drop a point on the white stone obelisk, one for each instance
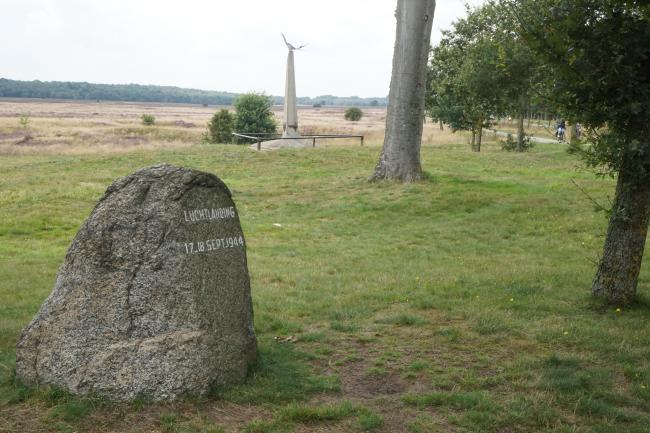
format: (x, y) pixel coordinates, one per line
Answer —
(290, 134)
(290, 125)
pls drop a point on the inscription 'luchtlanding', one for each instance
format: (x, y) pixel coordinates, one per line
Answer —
(194, 215)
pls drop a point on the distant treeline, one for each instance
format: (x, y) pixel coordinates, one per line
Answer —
(140, 93)
(345, 101)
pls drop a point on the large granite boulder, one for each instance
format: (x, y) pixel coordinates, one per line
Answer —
(153, 298)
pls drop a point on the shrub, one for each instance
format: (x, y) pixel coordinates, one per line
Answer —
(24, 122)
(353, 114)
(148, 119)
(254, 115)
(510, 144)
(220, 127)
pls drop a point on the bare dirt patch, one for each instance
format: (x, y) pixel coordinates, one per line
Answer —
(360, 384)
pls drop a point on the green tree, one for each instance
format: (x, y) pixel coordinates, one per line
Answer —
(466, 77)
(353, 114)
(254, 115)
(221, 126)
(599, 52)
(524, 76)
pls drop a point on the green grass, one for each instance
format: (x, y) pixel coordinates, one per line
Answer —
(280, 376)
(462, 400)
(285, 419)
(369, 421)
(401, 319)
(307, 414)
(462, 302)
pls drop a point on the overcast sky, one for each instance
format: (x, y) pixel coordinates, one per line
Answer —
(226, 45)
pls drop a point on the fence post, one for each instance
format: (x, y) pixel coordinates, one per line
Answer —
(259, 144)
(362, 141)
(313, 142)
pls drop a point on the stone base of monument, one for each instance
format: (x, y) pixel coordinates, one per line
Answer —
(153, 298)
(282, 143)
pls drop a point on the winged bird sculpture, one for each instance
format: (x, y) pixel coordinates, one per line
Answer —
(291, 47)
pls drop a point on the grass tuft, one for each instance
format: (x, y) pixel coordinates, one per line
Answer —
(344, 327)
(565, 375)
(490, 324)
(313, 414)
(261, 426)
(458, 400)
(369, 421)
(401, 320)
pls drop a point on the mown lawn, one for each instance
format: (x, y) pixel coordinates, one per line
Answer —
(456, 304)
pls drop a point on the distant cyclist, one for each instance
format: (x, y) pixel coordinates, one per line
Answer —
(560, 130)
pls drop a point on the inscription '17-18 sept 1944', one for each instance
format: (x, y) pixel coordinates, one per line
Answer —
(213, 244)
(208, 214)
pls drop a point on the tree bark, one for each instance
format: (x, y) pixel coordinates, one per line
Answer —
(618, 271)
(400, 155)
(479, 136)
(473, 139)
(523, 103)
(572, 132)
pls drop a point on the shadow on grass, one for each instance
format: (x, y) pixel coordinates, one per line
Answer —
(588, 389)
(567, 375)
(641, 304)
(281, 375)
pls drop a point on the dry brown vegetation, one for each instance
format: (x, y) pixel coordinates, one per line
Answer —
(80, 127)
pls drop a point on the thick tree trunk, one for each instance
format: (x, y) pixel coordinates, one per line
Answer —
(473, 139)
(400, 156)
(479, 136)
(618, 271)
(523, 103)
